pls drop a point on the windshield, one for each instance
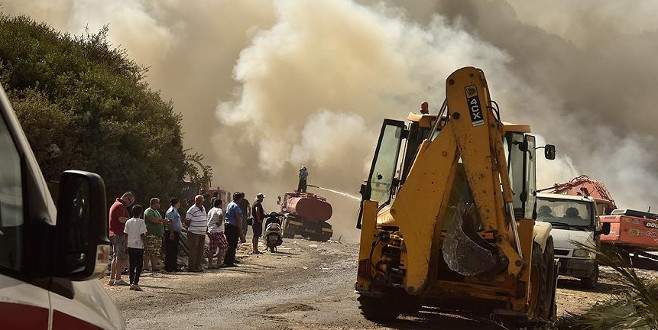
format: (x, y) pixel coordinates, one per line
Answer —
(565, 213)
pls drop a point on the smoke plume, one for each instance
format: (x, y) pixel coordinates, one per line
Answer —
(266, 86)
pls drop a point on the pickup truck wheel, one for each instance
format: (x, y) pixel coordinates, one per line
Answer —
(590, 283)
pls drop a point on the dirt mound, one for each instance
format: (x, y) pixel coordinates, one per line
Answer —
(289, 307)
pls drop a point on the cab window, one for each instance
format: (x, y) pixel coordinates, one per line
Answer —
(11, 202)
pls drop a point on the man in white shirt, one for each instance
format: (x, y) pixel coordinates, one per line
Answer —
(135, 230)
(196, 221)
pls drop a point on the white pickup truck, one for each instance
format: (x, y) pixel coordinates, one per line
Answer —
(574, 219)
(50, 256)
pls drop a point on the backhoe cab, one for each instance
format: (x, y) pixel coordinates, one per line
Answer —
(448, 214)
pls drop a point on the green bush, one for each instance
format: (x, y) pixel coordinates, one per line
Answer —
(85, 105)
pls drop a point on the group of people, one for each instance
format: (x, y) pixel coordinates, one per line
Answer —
(139, 235)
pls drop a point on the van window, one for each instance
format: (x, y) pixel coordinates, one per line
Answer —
(11, 202)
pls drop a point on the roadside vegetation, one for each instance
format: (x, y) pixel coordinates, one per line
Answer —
(635, 306)
(85, 105)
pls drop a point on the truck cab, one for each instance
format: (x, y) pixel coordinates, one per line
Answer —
(50, 255)
(575, 221)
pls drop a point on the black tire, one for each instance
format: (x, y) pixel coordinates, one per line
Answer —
(549, 260)
(544, 278)
(288, 230)
(272, 249)
(591, 282)
(382, 309)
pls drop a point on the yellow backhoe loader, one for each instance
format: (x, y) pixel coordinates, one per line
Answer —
(447, 216)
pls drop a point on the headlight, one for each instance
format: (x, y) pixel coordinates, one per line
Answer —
(581, 253)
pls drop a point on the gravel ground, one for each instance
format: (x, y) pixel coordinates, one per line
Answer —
(305, 285)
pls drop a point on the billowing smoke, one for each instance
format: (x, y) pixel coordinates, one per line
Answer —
(266, 86)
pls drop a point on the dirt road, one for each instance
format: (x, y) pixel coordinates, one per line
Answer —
(305, 285)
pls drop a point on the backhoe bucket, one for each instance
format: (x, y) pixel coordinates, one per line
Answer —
(463, 250)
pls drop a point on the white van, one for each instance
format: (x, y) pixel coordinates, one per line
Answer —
(574, 219)
(50, 257)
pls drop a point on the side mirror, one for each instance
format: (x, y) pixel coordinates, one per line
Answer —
(82, 245)
(549, 151)
(605, 228)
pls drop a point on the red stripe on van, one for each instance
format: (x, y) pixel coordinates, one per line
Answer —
(63, 321)
(22, 317)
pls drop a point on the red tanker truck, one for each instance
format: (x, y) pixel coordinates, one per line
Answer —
(306, 214)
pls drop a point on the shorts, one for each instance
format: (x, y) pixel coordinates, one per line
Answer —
(152, 245)
(258, 228)
(217, 241)
(119, 246)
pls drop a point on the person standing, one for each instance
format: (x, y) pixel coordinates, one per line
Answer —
(246, 210)
(218, 243)
(135, 230)
(196, 220)
(172, 235)
(153, 240)
(257, 225)
(303, 175)
(117, 218)
(233, 222)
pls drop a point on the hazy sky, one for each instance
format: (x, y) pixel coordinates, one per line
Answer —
(266, 86)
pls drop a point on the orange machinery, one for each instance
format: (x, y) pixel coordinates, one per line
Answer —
(633, 231)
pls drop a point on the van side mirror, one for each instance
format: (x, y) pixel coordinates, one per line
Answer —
(82, 244)
(549, 152)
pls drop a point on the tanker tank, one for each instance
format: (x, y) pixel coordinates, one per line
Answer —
(306, 214)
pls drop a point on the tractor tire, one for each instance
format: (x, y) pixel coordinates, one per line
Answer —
(324, 237)
(542, 278)
(591, 282)
(380, 309)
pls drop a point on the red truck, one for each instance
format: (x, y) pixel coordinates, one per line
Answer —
(306, 214)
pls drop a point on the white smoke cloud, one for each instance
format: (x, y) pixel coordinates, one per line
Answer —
(265, 86)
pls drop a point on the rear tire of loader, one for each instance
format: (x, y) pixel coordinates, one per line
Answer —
(543, 281)
(387, 308)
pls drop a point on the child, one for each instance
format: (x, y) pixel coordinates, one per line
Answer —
(216, 234)
(136, 229)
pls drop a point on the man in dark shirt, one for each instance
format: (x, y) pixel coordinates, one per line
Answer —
(257, 225)
(245, 207)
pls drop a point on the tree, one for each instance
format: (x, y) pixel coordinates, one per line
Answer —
(85, 105)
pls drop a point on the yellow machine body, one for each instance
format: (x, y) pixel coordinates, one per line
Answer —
(465, 148)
